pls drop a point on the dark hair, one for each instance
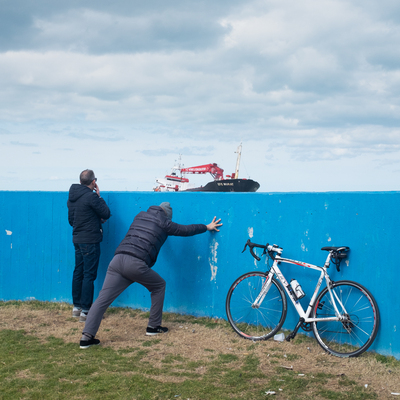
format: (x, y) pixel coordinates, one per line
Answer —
(86, 177)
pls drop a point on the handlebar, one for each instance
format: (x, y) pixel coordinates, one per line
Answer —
(271, 249)
(337, 253)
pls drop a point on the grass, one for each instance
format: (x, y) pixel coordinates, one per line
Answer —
(33, 367)
(53, 369)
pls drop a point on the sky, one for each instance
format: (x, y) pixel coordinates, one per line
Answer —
(311, 88)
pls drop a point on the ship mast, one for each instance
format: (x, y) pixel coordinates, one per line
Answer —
(239, 153)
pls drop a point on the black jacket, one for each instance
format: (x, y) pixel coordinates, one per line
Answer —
(85, 212)
(148, 232)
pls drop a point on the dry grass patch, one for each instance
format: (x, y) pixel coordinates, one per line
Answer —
(191, 349)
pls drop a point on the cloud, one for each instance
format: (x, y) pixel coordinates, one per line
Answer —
(81, 135)
(187, 151)
(16, 143)
(315, 81)
(99, 32)
(97, 27)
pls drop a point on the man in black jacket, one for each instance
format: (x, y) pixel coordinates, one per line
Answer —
(132, 262)
(86, 213)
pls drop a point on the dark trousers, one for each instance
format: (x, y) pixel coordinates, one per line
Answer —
(122, 272)
(86, 264)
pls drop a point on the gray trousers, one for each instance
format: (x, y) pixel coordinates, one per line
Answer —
(122, 272)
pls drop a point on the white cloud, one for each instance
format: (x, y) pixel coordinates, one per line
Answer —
(301, 83)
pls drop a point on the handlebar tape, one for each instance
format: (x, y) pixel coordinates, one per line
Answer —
(251, 246)
(254, 255)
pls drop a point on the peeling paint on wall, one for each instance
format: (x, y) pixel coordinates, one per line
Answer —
(9, 233)
(213, 260)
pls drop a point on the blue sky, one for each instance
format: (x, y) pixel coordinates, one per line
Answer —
(311, 88)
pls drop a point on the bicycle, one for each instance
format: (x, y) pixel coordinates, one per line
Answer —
(344, 316)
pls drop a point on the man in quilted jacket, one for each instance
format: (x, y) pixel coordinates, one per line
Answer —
(86, 213)
(132, 262)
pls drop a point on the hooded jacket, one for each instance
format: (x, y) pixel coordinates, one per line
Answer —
(148, 232)
(85, 213)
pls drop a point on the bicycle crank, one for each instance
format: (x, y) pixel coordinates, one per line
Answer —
(306, 326)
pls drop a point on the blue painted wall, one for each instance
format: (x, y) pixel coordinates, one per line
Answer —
(37, 257)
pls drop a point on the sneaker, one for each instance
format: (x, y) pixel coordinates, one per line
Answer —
(82, 316)
(85, 344)
(76, 312)
(155, 331)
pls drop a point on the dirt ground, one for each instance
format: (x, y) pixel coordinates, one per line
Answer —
(194, 341)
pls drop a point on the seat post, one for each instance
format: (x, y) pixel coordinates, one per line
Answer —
(328, 260)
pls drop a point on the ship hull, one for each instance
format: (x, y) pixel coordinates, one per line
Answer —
(228, 185)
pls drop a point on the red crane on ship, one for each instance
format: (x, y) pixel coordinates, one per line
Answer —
(216, 172)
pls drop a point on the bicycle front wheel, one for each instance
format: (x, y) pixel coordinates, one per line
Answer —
(356, 332)
(255, 321)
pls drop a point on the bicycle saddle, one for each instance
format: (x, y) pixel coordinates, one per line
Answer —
(339, 248)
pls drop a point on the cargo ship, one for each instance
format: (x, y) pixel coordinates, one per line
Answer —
(176, 181)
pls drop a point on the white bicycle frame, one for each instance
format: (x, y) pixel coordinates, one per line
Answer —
(275, 270)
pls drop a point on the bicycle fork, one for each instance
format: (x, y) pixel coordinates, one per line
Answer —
(263, 292)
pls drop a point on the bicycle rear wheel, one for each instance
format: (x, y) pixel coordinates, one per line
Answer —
(255, 322)
(354, 335)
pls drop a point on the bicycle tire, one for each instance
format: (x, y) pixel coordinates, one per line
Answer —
(262, 322)
(354, 336)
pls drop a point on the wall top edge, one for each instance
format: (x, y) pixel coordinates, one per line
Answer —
(210, 193)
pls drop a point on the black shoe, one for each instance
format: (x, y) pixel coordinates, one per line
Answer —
(155, 331)
(85, 344)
